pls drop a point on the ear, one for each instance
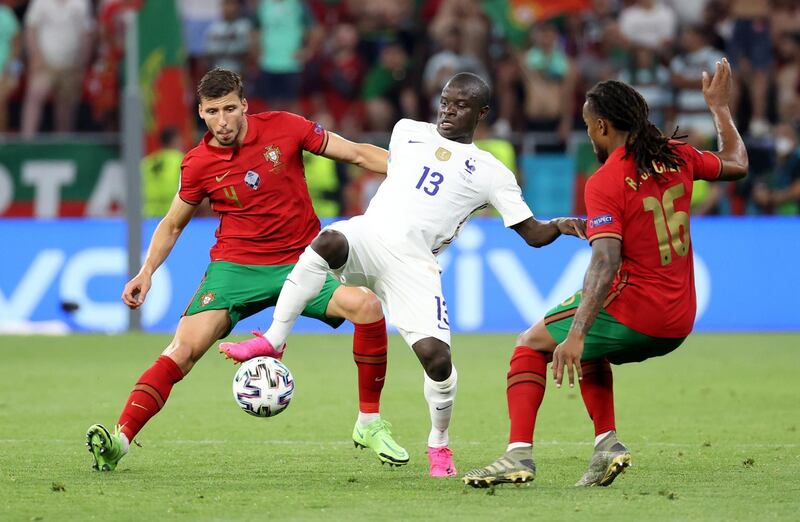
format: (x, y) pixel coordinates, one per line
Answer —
(244, 105)
(603, 126)
(200, 110)
(483, 112)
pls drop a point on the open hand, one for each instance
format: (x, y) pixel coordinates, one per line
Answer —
(567, 355)
(717, 90)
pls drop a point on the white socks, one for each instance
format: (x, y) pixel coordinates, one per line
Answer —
(600, 437)
(515, 445)
(440, 397)
(125, 442)
(303, 284)
(367, 418)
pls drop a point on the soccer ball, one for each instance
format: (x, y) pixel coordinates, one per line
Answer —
(263, 386)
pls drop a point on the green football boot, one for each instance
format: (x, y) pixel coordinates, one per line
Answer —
(610, 459)
(514, 467)
(377, 436)
(107, 448)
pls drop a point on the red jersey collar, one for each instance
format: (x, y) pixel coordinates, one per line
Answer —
(228, 152)
(617, 154)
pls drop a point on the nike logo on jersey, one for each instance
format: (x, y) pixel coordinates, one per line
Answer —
(220, 178)
(414, 141)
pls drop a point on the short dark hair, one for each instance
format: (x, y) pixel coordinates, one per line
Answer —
(480, 89)
(218, 82)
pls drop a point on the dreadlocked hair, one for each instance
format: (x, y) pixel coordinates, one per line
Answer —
(620, 104)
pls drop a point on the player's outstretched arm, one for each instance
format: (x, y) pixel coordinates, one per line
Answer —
(606, 260)
(364, 155)
(540, 233)
(164, 238)
(732, 152)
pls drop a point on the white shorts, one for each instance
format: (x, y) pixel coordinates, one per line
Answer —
(410, 287)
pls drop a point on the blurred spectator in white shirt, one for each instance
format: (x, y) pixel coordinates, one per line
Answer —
(649, 23)
(689, 12)
(57, 38)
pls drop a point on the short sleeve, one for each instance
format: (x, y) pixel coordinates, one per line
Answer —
(705, 164)
(506, 197)
(313, 137)
(604, 212)
(190, 189)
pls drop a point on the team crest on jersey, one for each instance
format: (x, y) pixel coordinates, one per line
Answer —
(252, 179)
(468, 170)
(443, 154)
(470, 164)
(273, 155)
(206, 298)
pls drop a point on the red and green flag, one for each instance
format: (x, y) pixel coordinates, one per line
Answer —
(163, 78)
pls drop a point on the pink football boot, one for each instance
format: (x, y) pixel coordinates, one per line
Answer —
(258, 346)
(441, 460)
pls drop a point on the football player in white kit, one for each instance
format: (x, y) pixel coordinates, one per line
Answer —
(437, 178)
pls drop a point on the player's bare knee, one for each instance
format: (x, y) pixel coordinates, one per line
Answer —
(439, 367)
(332, 246)
(538, 338)
(182, 354)
(434, 355)
(527, 338)
(369, 309)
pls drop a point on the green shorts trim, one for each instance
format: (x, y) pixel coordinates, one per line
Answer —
(245, 290)
(607, 338)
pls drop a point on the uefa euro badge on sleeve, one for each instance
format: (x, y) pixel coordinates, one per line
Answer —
(443, 154)
(252, 179)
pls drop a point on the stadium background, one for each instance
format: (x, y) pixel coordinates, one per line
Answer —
(358, 66)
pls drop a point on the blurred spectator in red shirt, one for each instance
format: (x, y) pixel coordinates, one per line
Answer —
(341, 74)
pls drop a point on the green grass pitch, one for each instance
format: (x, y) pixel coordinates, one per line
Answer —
(713, 429)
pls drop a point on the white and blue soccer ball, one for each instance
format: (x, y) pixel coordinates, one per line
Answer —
(263, 386)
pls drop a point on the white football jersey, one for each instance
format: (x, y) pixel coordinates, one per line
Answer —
(434, 185)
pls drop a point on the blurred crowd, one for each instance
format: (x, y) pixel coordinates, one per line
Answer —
(357, 66)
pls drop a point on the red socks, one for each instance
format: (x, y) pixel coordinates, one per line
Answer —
(597, 390)
(149, 395)
(525, 391)
(369, 352)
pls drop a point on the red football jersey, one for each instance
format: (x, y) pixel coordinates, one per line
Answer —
(258, 189)
(653, 292)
